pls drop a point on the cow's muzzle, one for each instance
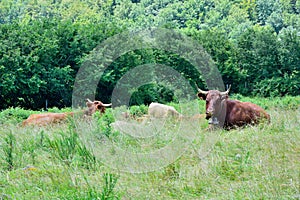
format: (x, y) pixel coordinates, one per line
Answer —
(208, 115)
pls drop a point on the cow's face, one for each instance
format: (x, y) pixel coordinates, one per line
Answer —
(94, 106)
(215, 101)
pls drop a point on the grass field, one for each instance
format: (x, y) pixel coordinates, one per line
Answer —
(53, 162)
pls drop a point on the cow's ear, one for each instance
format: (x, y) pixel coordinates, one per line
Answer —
(201, 96)
(99, 106)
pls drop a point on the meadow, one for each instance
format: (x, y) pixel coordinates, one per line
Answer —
(54, 162)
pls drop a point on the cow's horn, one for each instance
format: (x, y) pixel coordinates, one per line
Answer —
(106, 105)
(226, 92)
(88, 100)
(203, 92)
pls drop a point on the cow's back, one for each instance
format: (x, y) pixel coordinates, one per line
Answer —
(45, 118)
(159, 110)
(241, 113)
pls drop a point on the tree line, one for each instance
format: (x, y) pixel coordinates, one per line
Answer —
(255, 44)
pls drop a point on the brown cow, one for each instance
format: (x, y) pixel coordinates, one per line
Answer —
(230, 113)
(48, 118)
(93, 106)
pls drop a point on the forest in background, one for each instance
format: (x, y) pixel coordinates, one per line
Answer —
(254, 43)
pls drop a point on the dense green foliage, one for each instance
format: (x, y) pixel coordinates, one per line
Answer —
(254, 43)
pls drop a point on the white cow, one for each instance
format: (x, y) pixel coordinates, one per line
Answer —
(158, 110)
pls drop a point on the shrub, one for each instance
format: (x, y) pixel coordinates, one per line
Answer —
(138, 111)
(104, 122)
(14, 115)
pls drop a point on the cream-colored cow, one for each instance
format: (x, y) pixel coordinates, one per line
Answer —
(158, 110)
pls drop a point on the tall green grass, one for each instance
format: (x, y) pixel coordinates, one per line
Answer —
(52, 162)
(8, 148)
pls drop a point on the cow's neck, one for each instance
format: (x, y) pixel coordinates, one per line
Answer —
(213, 121)
(219, 119)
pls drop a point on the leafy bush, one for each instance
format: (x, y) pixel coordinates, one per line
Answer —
(104, 122)
(59, 110)
(277, 86)
(138, 111)
(287, 102)
(14, 115)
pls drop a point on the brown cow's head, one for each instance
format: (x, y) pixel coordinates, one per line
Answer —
(93, 106)
(215, 102)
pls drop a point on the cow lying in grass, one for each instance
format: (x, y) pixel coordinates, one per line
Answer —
(158, 110)
(49, 118)
(155, 110)
(230, 113)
